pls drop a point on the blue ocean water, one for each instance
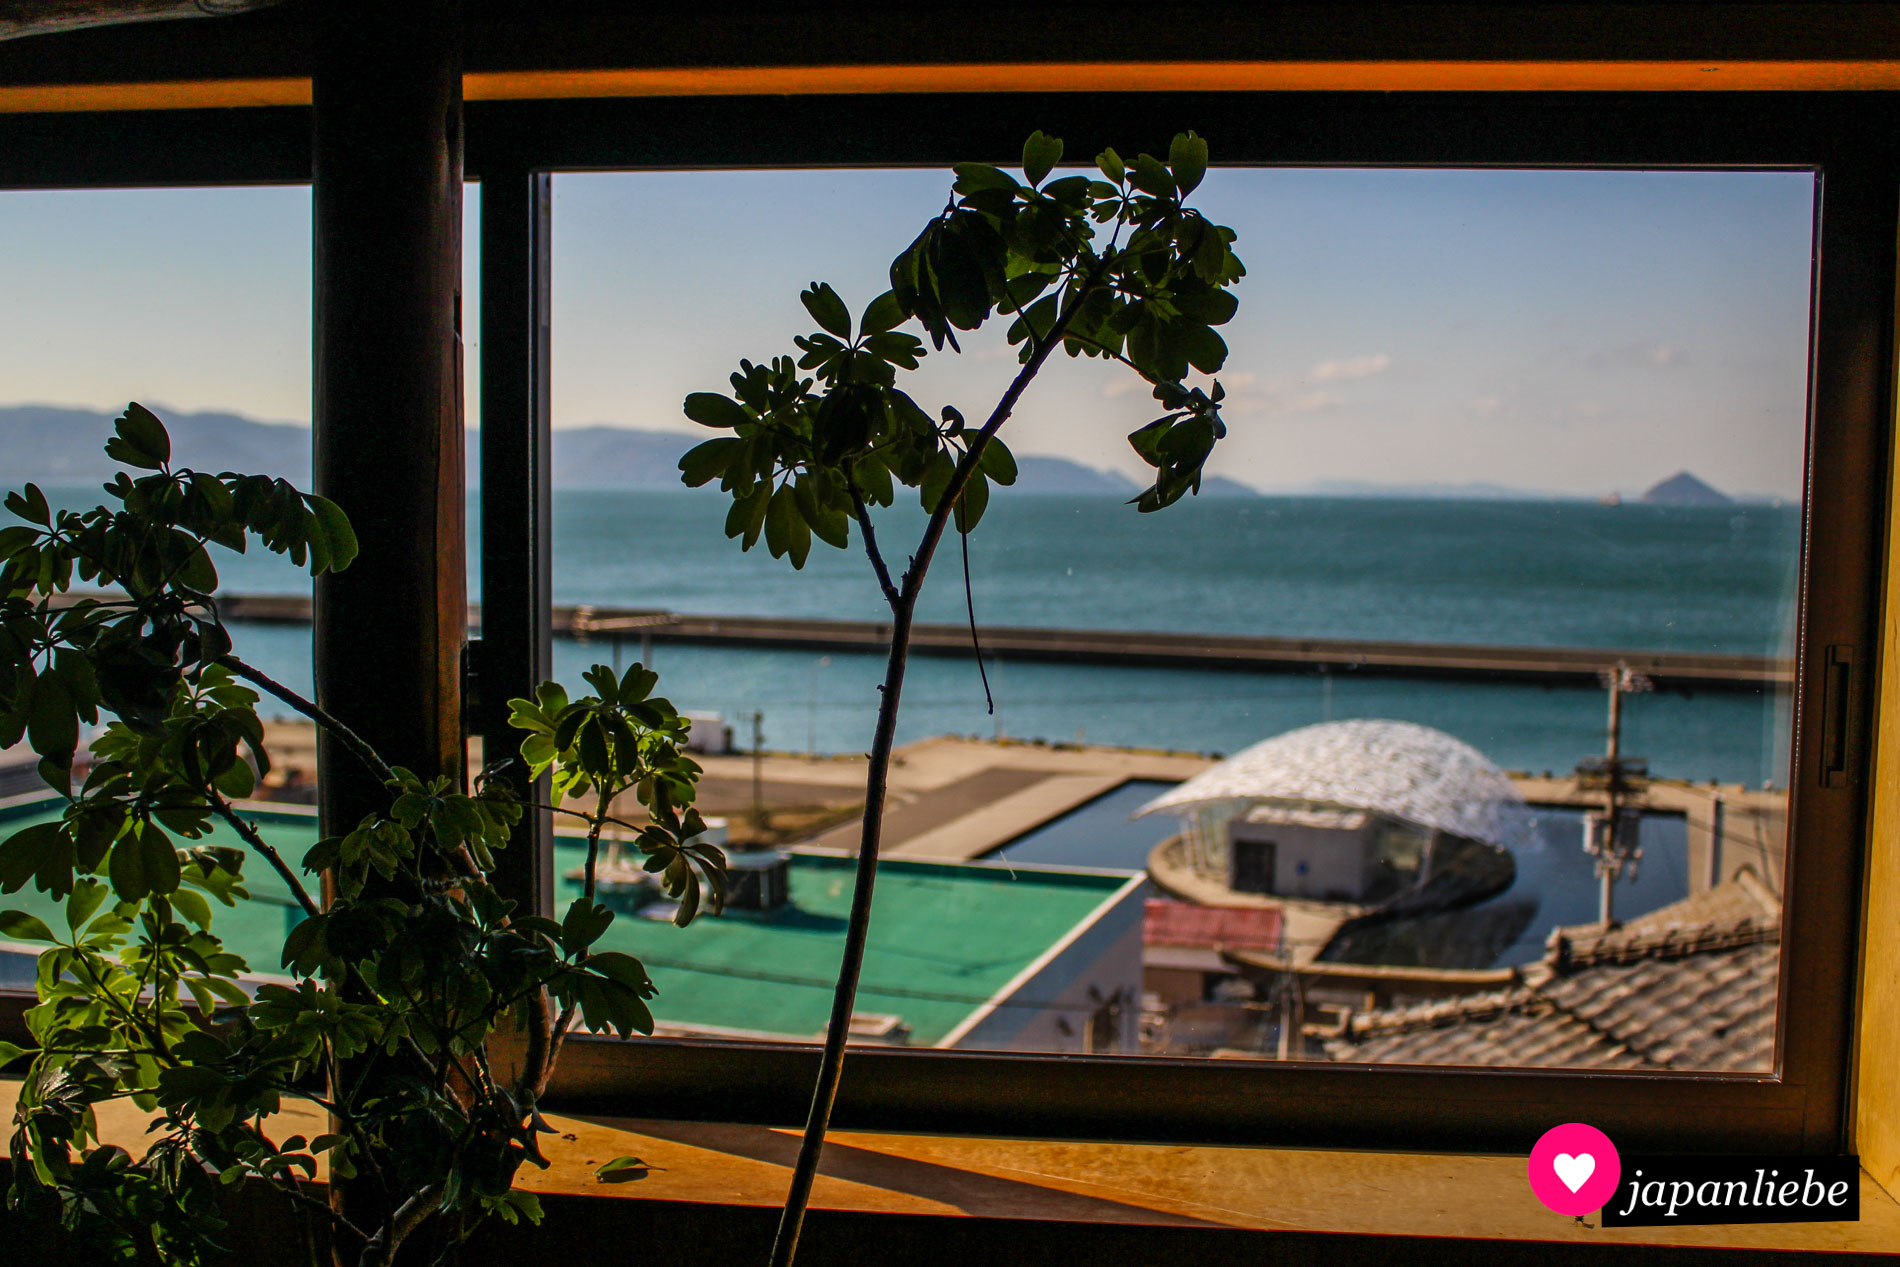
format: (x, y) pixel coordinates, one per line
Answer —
(1547, 573)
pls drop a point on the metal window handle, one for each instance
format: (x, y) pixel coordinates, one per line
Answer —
(1837, 729)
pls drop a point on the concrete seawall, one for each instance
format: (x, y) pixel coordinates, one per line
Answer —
(1553, 665)
(1234, 652)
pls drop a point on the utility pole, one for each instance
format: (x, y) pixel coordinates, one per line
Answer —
(811, 711)
(758, 777)
(1621, 779)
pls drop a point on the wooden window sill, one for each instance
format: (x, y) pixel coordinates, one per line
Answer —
(1451, 1196)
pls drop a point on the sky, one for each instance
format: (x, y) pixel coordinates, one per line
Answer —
(1564, 332)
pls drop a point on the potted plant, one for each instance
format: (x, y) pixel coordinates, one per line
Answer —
(395, 988)
(1112, 264)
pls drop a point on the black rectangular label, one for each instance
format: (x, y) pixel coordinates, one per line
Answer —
(1657, 1190)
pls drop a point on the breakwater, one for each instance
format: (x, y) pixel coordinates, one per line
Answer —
(1554, 665)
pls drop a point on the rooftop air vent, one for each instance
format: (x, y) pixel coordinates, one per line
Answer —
(757, 879)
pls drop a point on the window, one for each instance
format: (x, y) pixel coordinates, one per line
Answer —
(1799, 1105)
(1463, 406)
(1228, 1101)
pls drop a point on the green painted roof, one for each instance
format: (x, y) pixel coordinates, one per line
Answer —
(945, 937)
(254, 929)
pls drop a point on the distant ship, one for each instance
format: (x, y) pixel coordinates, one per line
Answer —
(1610, 499)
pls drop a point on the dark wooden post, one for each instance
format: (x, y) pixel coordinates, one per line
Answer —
(387, 167)
(388, 443)
(517, 604)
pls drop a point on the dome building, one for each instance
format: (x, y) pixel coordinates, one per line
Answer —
(1360, 813)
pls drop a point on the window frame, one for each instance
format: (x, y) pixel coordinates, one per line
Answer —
(1802, 1106)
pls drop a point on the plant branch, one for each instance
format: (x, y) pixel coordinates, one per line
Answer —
(250, 836)
(966, 466)
(291, 1188)
(969, 605)
(112, 1000)
(584, 817)
(870, 544)
(408, 1216)
(566, 1019)
(537, 1064)
(351, 740)
(844, 998)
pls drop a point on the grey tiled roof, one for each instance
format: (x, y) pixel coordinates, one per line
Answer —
(1673, 990)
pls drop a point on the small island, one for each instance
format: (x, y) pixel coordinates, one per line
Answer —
(1684, 489)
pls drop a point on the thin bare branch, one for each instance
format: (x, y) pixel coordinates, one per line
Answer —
(351, 740)
(844, 997)
(408, 1216)
(264, 850)
(969, 606)
(870, 545)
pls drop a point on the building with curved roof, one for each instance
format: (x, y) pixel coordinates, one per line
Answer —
(1352, 811)
(1399, 769)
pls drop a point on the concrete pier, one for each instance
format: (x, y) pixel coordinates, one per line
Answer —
(1548, 665)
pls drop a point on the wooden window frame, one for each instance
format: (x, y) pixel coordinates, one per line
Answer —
(1803, 1106)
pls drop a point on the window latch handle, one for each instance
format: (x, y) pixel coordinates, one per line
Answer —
(1838, 732)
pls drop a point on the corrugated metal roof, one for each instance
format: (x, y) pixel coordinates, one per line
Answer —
(1395, 768)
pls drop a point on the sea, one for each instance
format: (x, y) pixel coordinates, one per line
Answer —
(1533, 573)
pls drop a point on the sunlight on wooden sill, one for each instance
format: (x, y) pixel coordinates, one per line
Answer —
(1405, 1194)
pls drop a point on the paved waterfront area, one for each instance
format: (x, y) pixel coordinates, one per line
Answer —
(951, 799)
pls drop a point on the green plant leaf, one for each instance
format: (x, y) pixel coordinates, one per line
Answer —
(1041, 152)
(822, 302)
(1187, 158)
(622, 1170)
(710, 409)
(192, 906)
(144, 862)
(1151, 177)
(23, 927)
(10, 1052)
(85, 900)
(936, 480)
(52, 727)
(970, 506)
(881, 314)
(43, 850)
(706, 462)
(141, 440)
(584, 924)
(30, 505)
(786, 532)
(339, 537)
(998, 462)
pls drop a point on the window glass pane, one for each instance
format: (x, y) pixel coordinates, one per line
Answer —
(1311, 768)
(197, 304)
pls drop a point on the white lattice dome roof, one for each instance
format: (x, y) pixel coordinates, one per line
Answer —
(1398, 769)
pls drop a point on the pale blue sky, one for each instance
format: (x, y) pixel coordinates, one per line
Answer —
(1567, 331)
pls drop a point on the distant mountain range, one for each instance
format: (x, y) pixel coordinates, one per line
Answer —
(1471, 490)
(53, 445)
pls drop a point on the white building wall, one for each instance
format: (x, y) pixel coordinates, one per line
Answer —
(1048, 1007)
(1334, 858)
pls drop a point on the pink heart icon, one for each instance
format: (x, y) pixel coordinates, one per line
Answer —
(1574, 1169)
